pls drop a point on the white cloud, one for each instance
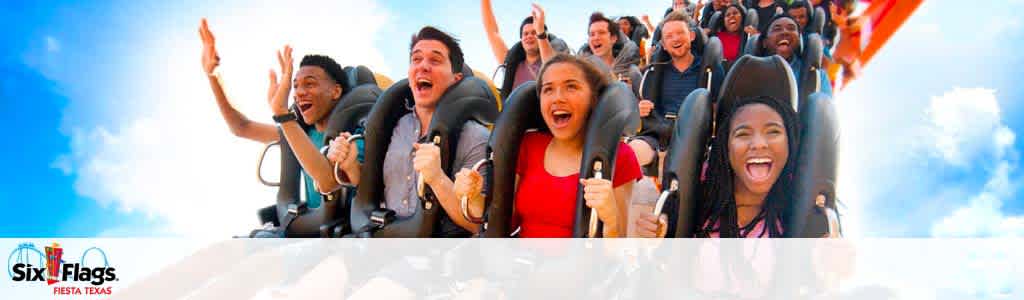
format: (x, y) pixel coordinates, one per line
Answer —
(175, 159)
(966, 125)
(968, 130)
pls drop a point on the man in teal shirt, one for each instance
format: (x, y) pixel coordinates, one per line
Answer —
(318, 86)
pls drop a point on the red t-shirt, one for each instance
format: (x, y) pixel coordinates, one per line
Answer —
(730, 44)
(545, 204)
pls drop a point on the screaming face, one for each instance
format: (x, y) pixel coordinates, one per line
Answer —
(601, 40)
(565, 99)
(783, 35)
(430, 72)
(733, 19)
(758, 148)
(315, 93)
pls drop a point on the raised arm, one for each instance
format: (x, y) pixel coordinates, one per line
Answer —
(309, 157)
(546, 51)
(498, 46)
(239, 124)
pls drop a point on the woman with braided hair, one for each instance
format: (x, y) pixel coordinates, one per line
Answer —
(750, 172)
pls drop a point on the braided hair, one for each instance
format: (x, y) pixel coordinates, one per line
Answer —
(718, 208)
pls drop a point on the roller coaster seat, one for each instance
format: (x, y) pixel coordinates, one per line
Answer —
(470, 99)
(330, 218)
(615, 112)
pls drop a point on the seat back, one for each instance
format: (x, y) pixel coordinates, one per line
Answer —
(685, 155)
(816, 170)
(615, 112)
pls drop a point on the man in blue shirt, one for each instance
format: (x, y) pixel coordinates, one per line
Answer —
(667, 83)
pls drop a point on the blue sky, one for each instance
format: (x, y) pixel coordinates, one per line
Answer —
(115, 132)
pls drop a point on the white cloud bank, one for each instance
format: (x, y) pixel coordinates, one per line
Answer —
(969, 133)
(176, 160)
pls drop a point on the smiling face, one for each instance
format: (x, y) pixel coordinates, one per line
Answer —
(315, 93)
(733, 19)
(430, 72)
(758, 148)
(565, 100)
(625, 26)
(601, 40)
(529, 39)
(782, 38)
(676, 38)
(800, 15)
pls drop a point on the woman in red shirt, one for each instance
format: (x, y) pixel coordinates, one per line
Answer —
(547, 171)
(729, 29)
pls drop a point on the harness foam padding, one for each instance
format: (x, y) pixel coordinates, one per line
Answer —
(615, 115)
(685, 155)
(521, 113)
(816, 169)
(468, 99)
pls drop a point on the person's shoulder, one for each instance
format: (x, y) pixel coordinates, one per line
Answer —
(475, 131)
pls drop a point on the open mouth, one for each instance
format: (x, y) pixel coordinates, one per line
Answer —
(759, 169)
(424, 85)
(596, 47)
(784, 43)
(731, 22)
(561, 118)
(677, 46)
(305, 106)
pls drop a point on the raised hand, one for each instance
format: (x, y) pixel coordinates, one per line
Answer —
(538, 18)
(210, 58)
(279, 103)
(699, 7)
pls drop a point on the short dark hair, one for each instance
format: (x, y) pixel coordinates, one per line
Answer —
(331, 67)
(594, 77)
(454, 51)
(529, 20)
(613, 27)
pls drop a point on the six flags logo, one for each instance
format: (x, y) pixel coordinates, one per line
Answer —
(20, 266)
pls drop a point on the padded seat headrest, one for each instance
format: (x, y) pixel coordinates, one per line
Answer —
(351, 109)
(816, 24)
(359, 75)
(754, 76)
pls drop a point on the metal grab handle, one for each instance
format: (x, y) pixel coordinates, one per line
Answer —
(464, 200)
(420, 184)
(337, 164)
(593, 212)
(259, 165)
(673, 186)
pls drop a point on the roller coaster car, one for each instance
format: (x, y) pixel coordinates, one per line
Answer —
(330, 219)
(614, 116)
(470, 99)
(816, 171)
